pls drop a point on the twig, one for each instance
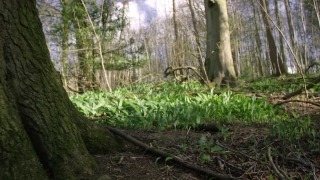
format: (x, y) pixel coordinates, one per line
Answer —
(302, 162)
(229, 164)
(238, 152)
(275, 169)
(165, 155)
(99, 46)
(311, 65)
(310, 164)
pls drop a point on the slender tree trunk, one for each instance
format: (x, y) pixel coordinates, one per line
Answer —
(219, 63)
(197, 37)
(277, 64)
(42, 134)
(282, 54)
(304, 55)
(65, 45)
(84, 43)
(258, 50)
(177, 40)
(290, 23)
(235, 37)
(107, 10)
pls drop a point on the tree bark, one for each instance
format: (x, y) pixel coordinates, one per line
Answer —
(75, 11)
(278, 67)
(258, 50)
(177, 40)
(282, 54)
(197, 37)
(219, 63)
(41, 133)
(64, 70)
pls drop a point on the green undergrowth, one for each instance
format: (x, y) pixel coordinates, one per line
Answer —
(171, 105)
(283, 84)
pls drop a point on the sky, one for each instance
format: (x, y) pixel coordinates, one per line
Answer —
(142, 12)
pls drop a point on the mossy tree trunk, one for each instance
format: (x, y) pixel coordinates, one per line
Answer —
(219, 63)
(75, 13)
(41, 133)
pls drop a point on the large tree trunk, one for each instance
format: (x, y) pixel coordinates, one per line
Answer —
(41, 133)
(219, 63)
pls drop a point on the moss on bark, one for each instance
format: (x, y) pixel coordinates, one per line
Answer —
(41, 133)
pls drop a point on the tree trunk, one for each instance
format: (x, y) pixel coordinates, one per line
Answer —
(219, 63)
(64, 70)
(177, 40)
(278, 67)
(42, 134)
(258, 49)
(197, 37)
(281, 43)
(76, 12)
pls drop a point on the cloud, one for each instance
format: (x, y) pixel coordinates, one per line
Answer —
(142, 12)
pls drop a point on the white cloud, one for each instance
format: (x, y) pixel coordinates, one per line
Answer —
(142, 12)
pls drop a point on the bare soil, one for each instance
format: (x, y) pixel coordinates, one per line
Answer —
(244, 153)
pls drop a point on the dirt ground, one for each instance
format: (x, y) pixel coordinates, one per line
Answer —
(244, 152)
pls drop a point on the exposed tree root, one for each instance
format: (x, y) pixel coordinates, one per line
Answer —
(165, 155)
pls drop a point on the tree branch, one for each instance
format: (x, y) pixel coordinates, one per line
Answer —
(299, 91)
(275, 169)
(169, 70)
(165, 155)
(310, 102)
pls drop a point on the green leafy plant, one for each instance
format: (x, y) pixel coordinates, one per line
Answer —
(168, 105)
(205, 158)
(224, 132)
(172, 105)
(207, 147)
(293, 129)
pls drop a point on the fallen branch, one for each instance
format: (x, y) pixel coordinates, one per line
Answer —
(309, 102)
(309, 165)
(237, 152)
(299, 91)
(171, 71)
(165, 155)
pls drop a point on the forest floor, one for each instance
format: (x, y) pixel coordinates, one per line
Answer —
(242, 153)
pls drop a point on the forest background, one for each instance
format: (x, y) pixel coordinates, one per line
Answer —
(114, 43)
(229, 98)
